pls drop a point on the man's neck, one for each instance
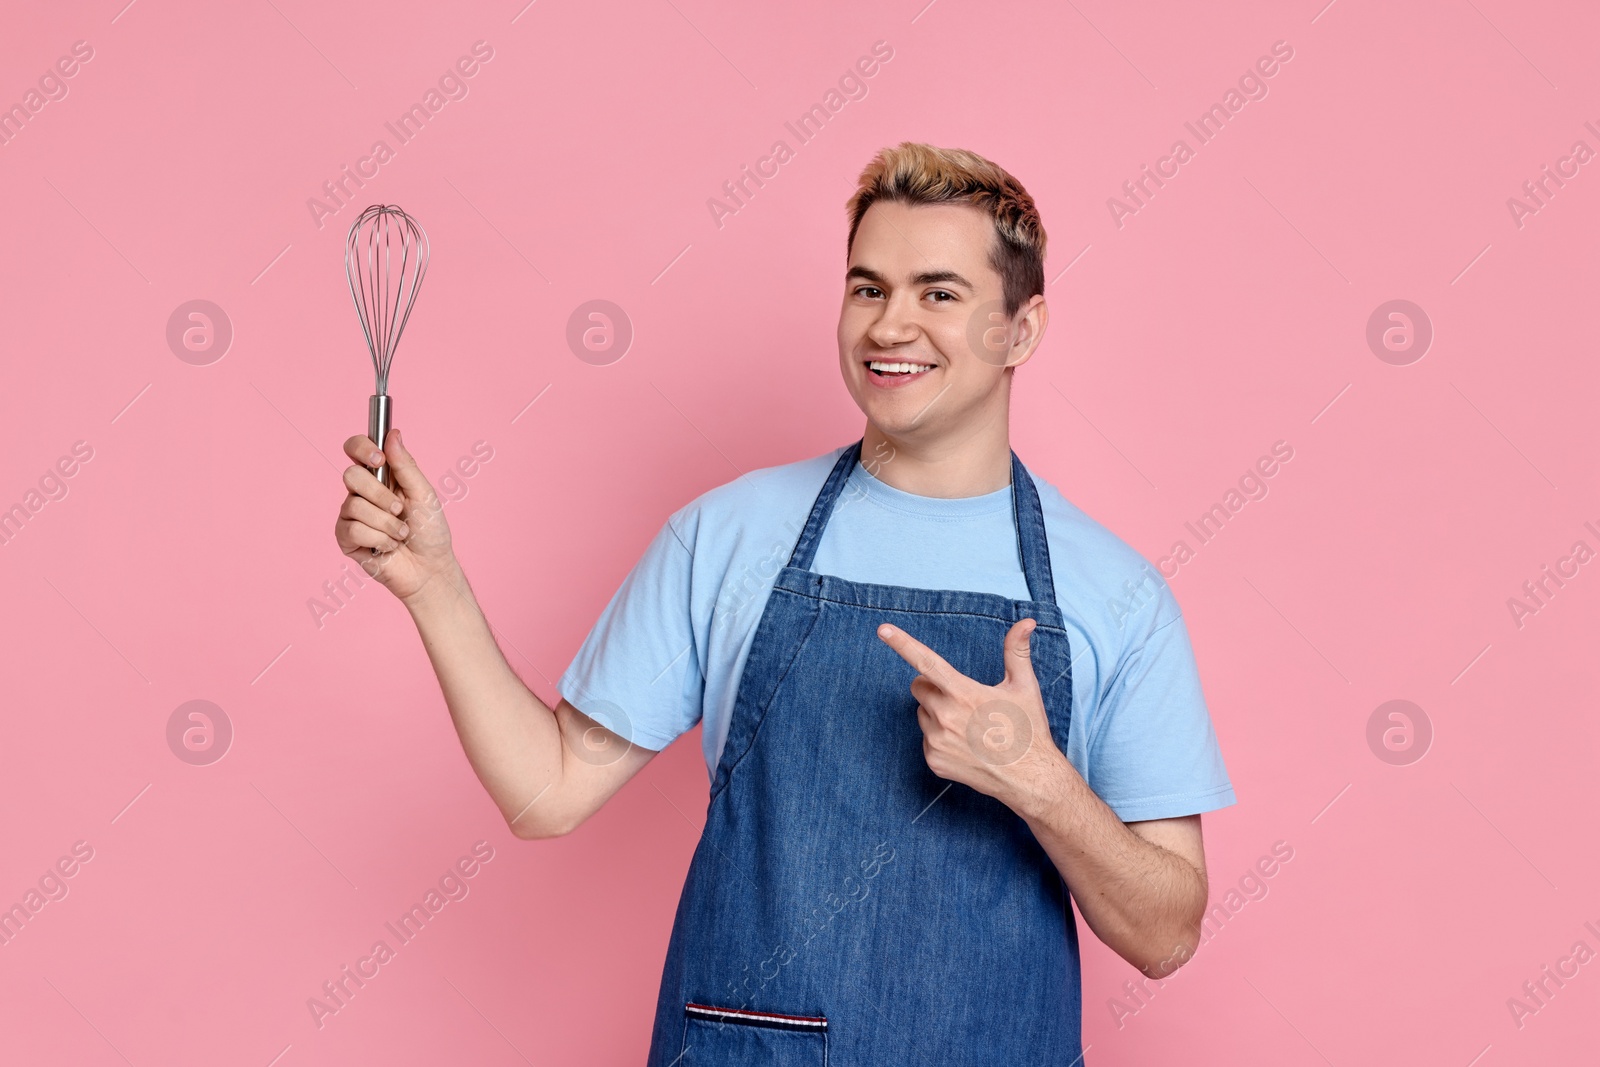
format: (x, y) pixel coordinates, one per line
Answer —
(971, 462)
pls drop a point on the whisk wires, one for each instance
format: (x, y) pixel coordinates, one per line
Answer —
(385, 258)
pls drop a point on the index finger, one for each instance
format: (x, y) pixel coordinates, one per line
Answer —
(925, 660)
(361, 449)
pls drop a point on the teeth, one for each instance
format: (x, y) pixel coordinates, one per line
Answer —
(897, 368)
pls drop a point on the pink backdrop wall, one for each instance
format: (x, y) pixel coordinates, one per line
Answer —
(1191, 330)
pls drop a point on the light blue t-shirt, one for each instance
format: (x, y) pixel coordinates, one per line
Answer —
(669, 648)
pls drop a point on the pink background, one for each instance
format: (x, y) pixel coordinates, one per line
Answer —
(1229, 313)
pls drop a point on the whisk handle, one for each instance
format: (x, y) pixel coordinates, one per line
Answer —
(380, 416)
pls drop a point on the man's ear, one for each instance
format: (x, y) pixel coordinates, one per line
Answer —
(1034, 316)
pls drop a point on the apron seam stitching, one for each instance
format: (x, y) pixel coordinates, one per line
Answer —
(766, 705)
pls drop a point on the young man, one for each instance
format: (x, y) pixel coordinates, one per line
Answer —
(936, 696)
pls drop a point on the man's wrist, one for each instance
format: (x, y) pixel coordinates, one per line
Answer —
(1044, 785)
(442, 588)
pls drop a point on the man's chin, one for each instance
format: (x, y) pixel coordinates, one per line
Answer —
(898, 424)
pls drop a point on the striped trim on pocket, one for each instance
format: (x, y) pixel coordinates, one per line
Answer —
(768, 1019)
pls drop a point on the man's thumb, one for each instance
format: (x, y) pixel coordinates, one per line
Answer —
(404, 465)
(1019, 654)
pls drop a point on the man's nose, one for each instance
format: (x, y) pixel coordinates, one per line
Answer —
(895, 324)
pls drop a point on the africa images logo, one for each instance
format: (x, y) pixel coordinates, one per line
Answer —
(852, 85)
(1252, 85)
(453, 885)
(337, 193)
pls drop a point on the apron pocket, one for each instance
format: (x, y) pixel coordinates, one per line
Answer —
(716, 1037)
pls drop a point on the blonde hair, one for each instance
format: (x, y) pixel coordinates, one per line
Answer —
(914, 173)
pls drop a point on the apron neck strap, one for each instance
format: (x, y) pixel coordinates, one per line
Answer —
(1026, 511)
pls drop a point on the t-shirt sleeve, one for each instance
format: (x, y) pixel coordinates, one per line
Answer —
(1153, 753)
(638, 672)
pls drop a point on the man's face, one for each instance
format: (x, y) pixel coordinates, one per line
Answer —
(919, 290)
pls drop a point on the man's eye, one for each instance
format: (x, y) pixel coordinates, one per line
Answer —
(867, 290)
(941, 292)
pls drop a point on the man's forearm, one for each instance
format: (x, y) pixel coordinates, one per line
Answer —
(1139, 898)
(510, 736)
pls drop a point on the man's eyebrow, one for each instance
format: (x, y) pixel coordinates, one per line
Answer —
(927, 277)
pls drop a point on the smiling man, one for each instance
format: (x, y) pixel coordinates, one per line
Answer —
(932, 723)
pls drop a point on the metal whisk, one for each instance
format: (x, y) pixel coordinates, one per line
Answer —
(385, 257)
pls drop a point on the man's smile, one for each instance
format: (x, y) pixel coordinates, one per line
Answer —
(894, 373)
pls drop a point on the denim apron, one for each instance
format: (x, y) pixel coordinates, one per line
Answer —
(846, 906)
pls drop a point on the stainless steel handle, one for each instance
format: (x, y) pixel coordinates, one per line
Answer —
(380, 416)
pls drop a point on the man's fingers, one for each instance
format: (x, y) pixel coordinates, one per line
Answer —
(364, 484)
(365, 511)
(353, 535)
(925, 660)
(361, 449)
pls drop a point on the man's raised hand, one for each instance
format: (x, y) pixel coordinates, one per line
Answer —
(399, 536)
(993, 738)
